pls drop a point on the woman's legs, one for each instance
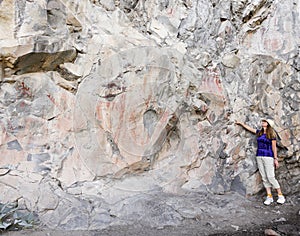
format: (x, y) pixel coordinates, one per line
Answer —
(270, 171)
(267, 172)
(262, 170)
(279, 191)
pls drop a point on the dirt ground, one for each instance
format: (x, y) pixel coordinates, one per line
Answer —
(289, 227)
(282, 219)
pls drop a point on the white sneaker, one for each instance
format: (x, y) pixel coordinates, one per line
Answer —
(268, 201)
(281, 199)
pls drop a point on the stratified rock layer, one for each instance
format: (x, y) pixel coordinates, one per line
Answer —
(105, 105)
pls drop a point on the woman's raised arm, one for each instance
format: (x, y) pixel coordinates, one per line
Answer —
(246, 127)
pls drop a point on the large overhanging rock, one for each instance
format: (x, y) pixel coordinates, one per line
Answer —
(34, 36)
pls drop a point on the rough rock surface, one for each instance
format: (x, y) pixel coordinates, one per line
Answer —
(113, 112)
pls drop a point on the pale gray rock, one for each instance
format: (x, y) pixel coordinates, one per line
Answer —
(108, 4)
(271, 232)
(231, 60)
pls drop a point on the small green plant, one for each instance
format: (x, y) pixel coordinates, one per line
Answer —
(12, 218)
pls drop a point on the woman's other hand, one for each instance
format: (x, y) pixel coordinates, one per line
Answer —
(276, 164)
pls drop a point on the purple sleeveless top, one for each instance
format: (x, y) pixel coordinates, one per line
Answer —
(264, 146)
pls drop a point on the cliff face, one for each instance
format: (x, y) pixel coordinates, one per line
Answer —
(110, 101)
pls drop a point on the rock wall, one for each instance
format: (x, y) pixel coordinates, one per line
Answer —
(104, 103)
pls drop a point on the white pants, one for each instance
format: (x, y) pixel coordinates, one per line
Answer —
(267, 171)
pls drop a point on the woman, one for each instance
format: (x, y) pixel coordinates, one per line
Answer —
(266, 157)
